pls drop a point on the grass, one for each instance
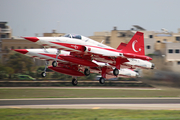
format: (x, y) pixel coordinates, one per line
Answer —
(85, 114)
(85, 93)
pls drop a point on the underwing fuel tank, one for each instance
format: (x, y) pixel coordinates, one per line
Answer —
(66, 71)
(77, 60)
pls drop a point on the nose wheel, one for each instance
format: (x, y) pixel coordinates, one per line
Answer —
(43, 74)
(54, 63)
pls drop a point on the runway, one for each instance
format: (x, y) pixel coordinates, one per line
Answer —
(94, 103)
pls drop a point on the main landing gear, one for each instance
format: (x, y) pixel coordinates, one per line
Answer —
(101, 80)
(103, 74)
(74, 81)
(87, 72)
(43, 74)
(116, 72)
(54, 63)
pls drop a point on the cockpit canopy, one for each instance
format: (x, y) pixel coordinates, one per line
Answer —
(86, 40)
(73, 36)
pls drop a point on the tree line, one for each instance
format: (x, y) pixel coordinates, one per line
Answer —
(18, 64)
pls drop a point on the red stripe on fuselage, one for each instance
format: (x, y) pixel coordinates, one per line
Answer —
(73, 46)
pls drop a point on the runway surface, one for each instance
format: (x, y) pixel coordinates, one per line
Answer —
(106, 88)
(94, 103)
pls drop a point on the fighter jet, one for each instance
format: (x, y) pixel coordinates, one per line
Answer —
(83, 48)
(73, 69)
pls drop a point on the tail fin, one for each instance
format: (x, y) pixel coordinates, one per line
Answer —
(136, 44)
(121, 46)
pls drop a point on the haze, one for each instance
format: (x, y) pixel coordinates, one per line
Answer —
(27, 17)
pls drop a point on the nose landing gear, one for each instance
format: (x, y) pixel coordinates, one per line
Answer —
(43, 74)
(54, 63)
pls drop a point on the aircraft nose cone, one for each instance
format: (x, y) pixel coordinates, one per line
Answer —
(32, 39)
(23, 51)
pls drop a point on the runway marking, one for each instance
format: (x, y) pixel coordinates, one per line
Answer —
(102, 106)
(96, 108)
(175, 109)
(14, 107)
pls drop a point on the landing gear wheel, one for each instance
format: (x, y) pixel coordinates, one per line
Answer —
(43, 74)
(101, 80)
(74, 81)
(54, 63)
(116, 72)
(87, 72)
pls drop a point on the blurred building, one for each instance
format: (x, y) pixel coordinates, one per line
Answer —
(5, 33)
(8, 42)
(53, 34)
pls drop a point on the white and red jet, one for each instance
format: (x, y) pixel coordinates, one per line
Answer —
(74, 69)
(85, 48)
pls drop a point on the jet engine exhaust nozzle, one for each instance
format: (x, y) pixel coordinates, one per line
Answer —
(153, 66)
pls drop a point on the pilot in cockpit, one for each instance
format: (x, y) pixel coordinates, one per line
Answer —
(73, 36)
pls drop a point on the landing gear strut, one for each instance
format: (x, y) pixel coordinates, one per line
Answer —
(87, 72)
(103, 74)
(43, 74)
(54, 63)
(74, 81)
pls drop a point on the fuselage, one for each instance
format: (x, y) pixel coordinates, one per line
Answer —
(86, 45)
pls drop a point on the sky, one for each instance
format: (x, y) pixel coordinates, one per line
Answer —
(28, 17)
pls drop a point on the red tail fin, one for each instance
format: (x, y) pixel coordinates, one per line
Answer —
(136, 44)
(121, 46)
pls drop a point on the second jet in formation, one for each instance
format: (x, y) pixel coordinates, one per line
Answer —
(77, 55)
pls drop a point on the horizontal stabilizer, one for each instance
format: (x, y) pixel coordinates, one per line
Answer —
(121, 46)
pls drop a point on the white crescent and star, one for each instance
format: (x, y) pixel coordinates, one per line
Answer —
(133, 46)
